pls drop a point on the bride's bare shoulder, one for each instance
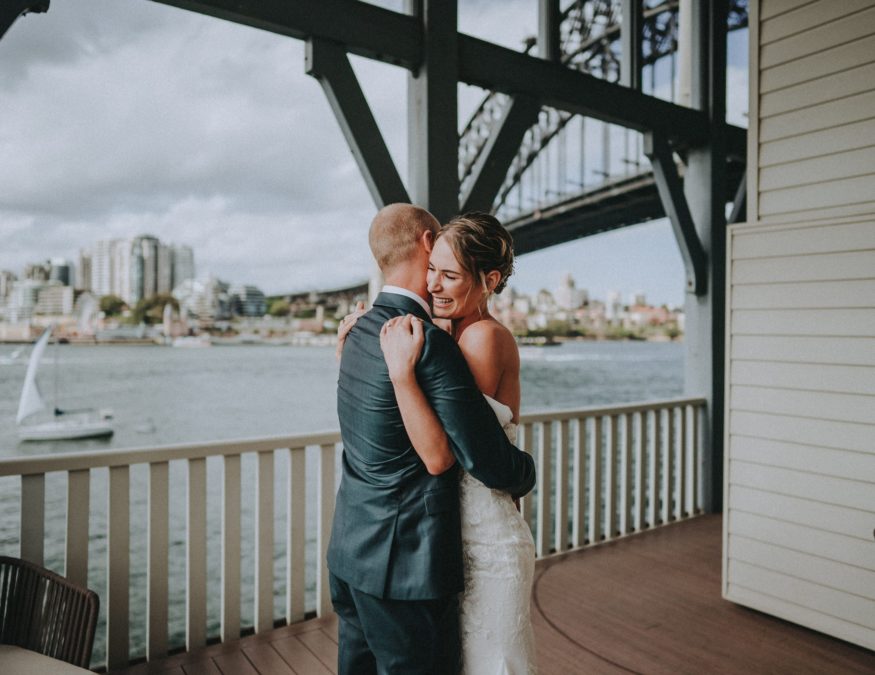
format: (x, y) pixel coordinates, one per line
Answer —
(488, 337)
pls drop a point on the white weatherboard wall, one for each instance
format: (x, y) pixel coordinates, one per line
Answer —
(799, 525)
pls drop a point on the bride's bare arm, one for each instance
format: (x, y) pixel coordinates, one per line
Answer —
(401, 340)
(492, 355)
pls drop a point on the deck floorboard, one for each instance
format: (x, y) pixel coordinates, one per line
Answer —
(644, 604)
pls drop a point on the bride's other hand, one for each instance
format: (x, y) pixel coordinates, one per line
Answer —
(346, 324)
(401, 340)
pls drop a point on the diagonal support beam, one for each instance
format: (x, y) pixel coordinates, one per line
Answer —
(671, 193)
(10, 10)
(329, 64)
(739, 204)
(519, 114)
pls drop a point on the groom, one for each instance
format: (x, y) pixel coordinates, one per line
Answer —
(395, 554)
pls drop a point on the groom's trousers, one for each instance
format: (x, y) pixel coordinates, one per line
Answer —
(380, 636)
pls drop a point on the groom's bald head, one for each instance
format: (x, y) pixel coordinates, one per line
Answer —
(397, 231)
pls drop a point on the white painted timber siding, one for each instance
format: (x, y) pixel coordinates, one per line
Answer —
(799, 521)
(800, 459)
(814, 66)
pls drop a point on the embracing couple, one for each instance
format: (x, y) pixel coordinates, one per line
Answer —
(431, 562)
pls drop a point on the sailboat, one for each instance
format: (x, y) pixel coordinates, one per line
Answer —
(71, 424)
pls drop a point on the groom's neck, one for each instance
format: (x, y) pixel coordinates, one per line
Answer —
(411, 277)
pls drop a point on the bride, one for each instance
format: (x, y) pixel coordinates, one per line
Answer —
(472, 258)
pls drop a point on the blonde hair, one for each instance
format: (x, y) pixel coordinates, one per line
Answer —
(395, 233)
(481, 244)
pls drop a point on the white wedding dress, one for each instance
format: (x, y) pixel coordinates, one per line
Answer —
(499, 554)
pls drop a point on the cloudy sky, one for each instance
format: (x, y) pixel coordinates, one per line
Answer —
(126, 117)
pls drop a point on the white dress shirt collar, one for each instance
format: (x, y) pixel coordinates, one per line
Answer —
(397, 290)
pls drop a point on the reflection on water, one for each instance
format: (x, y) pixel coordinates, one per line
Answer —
(165, 396)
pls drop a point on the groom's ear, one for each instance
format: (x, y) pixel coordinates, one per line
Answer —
(428, 240)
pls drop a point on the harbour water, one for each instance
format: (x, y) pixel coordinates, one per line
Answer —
(161, 396)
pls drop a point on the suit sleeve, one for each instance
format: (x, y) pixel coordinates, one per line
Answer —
(477, 440)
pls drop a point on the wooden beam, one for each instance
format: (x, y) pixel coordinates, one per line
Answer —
(12, 9)
(500, 69)
(630, 43)
(549, 18)
(490, 169)
(432, 111)
(328, 63)
(671, 192)
(362, 28)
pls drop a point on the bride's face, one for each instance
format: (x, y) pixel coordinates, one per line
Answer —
(451, 287)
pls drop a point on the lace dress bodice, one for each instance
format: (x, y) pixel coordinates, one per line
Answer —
(499, 554)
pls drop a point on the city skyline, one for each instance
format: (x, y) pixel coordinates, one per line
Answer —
(239, 156)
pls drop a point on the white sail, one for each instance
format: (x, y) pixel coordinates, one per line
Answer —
(31, 402)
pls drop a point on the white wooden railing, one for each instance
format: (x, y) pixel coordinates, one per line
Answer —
(602, 473)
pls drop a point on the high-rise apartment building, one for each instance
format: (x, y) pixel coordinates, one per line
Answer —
(83, 273)
(164, 283)
(183, 264)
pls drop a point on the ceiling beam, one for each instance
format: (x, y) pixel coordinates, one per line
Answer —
(363, 29)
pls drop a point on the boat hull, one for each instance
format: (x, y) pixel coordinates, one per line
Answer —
(57, 431)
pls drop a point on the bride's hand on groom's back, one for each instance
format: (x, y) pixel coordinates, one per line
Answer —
(346, 324)
(401, 340)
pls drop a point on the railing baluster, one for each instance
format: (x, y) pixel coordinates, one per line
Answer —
(325, 502)
(296, 537)
(118, 509)
(156, 573)
(78, 503)
(695, 454)
(595, 481)
(561, 534)
(578, 495)
(666, 469)
(626, 476)
(611, 478)
(640, 472)
(653, 469)
(681, 464)
(525, 436)
(196, 556)
(545, 474)
(33, 517)
(229, 627)
(264, 542)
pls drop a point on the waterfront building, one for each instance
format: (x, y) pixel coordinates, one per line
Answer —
(164, 269)
(83, 273)
(61, 270)
(568, 296)
(247, 300)
(102, 258)
(613, 306)
(23, 300)
(123, 282)
(183, 264)
(38, 271)
(207, 300)
(7, 279)
(54, 299)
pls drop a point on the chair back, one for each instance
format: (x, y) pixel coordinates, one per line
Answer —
(43, 612)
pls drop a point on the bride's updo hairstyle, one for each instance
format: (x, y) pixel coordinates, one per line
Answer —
(481, 245)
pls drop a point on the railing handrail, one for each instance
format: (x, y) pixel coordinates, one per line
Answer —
(76, 461)
(598, 411)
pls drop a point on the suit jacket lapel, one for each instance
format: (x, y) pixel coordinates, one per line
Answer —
(402, 302)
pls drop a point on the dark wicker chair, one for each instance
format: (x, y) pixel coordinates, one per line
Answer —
(43, 612)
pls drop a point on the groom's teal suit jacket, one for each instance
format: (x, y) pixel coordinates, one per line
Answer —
(397, 532)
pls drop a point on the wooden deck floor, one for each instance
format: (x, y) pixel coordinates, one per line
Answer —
(646, 604)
